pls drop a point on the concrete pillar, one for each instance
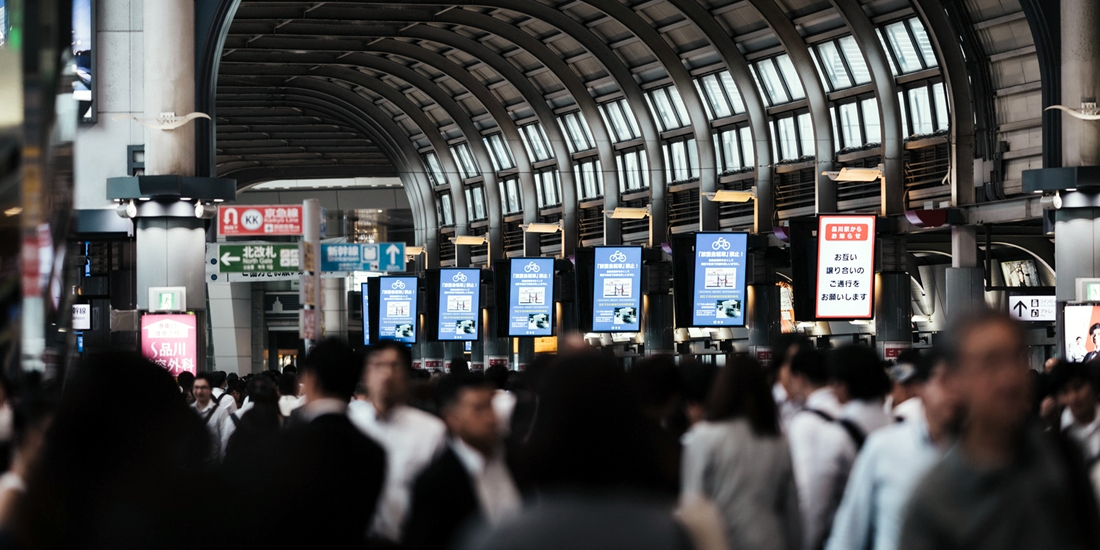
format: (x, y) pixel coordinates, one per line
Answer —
(231, 326)
(1080, 80)
(452, 351)
(658, 324)
(494, 348)
(764, 310)
(1076, 238)
(335, 308)
(893, 310)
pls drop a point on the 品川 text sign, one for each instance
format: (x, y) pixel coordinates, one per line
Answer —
(845, 267)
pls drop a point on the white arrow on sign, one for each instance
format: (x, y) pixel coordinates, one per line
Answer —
(393, 252)
(227, 259)
(230, 213)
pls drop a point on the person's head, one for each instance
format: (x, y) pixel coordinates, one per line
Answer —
(807, 373)
(387, 372)
(261, 390)
(986, 352)
(742, 391)
(696, 381)
(655, 384)
(903, 376)
(330, 371)
(218, 378)
(857, 373)
(185, 379)
(784, 347)
(290, 369)
(360, 391)
(466, 406)
(460, 366)
(1072, 385)
(202, 388)
(1094, 335)
(497, 375)
(287, 385)
(932, 383)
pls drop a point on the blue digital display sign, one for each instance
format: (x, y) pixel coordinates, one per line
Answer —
(719, 299)
(397, 309)
(459, 296)
(531, 300)
(366, 316)
(616, 290)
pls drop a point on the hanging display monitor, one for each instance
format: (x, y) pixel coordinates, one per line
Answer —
(531, 297)
(845, 267)
(397, 309)
(459, 294)
(719, 280)
(616, 292)
(366, 316)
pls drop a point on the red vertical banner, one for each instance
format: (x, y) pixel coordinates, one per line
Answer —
(170, 341)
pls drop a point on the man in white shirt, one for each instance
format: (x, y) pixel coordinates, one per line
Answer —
(470, 481)
(1072, 384)
(209, 409)
(784, 348)
(411, 438)
(904, 401)
(220, 394)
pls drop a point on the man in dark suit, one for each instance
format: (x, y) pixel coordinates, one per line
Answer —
(330, 474)
(469, 482)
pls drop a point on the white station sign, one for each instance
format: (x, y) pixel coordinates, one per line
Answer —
(1032, 308)
(845, 267)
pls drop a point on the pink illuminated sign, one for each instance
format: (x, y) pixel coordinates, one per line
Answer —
(170, 341)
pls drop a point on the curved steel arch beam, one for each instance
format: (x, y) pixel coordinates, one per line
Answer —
(212, 21)
(957, 80)
(893, 144)
(816, 98)
(454, 110)
(754, 105)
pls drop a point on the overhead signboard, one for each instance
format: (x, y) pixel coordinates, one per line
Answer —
(531, 297)
(250, 258)
(1032, 308)
(82, 317)
(616, 292)
(170, 341)
(719, 298)
(845, 267)
(397, 309)
(459, 307)
(366, 314)
(245, 221)
(386, 257)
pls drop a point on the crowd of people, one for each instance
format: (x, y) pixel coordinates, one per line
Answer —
(962, 446)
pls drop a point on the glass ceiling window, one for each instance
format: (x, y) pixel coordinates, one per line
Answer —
(535, 141)
(589, 179)
(734, 147)
(909, 44)
(618, 117)
(510, 194)
(668, 108)
(633, 170)
(444, 210)
(576, 130)
(779, 79)
(793, 136)
(681, 160)
(924, 109)
(720, 95)
(842, 63)
(475, 203)
(499, 152)
(435, 170)
(466, 165)
(548, 186)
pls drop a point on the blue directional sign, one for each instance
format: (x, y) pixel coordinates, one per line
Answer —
(531, 302)
(388, 257)
(366, 316)
(616, 292)
(459, 294)
(719, 298)
(397, 309)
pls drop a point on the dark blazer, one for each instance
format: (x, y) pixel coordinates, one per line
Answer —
(331, 477)
(443, 503)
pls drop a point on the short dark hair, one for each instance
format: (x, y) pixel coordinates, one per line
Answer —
(742, 391)
(1065, 372)
(207, 377)
(335, 366)
(783, 342)
(451, 386)
(859, 369)
(654, 380)
(288, 384)
(1094, 328)
(262, 391)
(459, 365)
(185, 379)
(497, 375)
(696, 381)
(402, 350)
(811, 364)
(927, 363)
(217, 379)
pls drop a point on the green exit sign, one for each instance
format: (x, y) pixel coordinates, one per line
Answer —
(257, 258)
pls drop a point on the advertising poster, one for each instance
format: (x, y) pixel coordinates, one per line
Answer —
(366, 315)
(459, 294)
(845, 267)
(1082, 332)
(616, 294)
(1020, 273)
(531, 297)
(397, 309)
(170, 341)
(719, 299)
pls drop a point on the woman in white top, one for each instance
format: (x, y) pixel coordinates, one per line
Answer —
(739, 460)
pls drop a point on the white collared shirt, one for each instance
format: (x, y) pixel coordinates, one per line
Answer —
(229, 426)
(412, 439)
(1087, 436)
(227, 402)
(911, 409)
(787, 406)
(214, 423)
(493, 484)
(821, 454)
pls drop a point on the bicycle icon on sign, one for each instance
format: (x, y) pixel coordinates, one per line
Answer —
(531, 267)
(720, 244)
(398, 285)
(618, 257)
(459, 277)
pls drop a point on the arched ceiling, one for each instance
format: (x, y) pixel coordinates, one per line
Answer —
(339, 88)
